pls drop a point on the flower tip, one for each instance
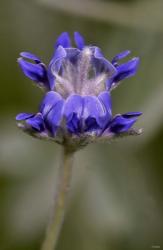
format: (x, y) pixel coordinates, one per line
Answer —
(133, 65)
(28, 55)
(131, 115)
(79, 40)
(136, 113)
(124, 54)
(25, 54)
(136, 61)
(21, 62)
(64, 40)
(17, 118)
(120, 56)
(139, 113)
(19, 59)
(127, 52)
(23, 116)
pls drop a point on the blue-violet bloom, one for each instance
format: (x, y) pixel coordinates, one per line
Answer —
(76, 108)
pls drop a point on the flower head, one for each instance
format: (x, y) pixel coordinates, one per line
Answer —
(76, 108)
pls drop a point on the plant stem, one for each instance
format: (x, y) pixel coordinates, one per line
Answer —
(60, 200)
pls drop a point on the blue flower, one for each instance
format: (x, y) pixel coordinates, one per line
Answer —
(76, 108)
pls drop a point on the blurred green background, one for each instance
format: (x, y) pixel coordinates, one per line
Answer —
(116, 198)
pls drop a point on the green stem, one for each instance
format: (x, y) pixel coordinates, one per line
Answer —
(60, 200)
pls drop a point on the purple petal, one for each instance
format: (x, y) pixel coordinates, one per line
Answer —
(30, 56)
(56, 61)
(127, 70)
(72, 54)
(91, 125)
(35, 72)
(79, 40)
(73, 109)
(55, 65)
(101, 64)
(36, 122)
(132, 114)
(93, 108)
(105, 98)
(49, 101)
(54, 117)
(23, 116)
(109, 83)
(73, 104)
(51, 79)
(63, 40)
(120, 56)
(122, 123)
(74, 125)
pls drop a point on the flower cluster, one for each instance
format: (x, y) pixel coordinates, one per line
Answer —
(76, 108)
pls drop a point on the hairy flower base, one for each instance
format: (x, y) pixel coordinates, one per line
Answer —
(77, 109)
(74, 142)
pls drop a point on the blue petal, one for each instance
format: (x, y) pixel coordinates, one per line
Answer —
(105, 98)
(49, 101)
(79, 40)
(51, 79)
(35, 72)
(30, 56)
(109, 83)
(122, 123)
(73, 109)
(55, 65)
(74, 125)
(93, 108)
(54, 117)
(92, 125)
(73, 104)
(101, 64)
(36, 122)
(120, 56)
(127, 70)
(132, 114)
(63, 40)
(56, 61)
(23, 116)
(72, 54)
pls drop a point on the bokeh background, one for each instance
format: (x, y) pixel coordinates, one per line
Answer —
(116, 198)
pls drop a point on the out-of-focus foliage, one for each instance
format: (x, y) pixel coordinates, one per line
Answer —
(116, 198)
